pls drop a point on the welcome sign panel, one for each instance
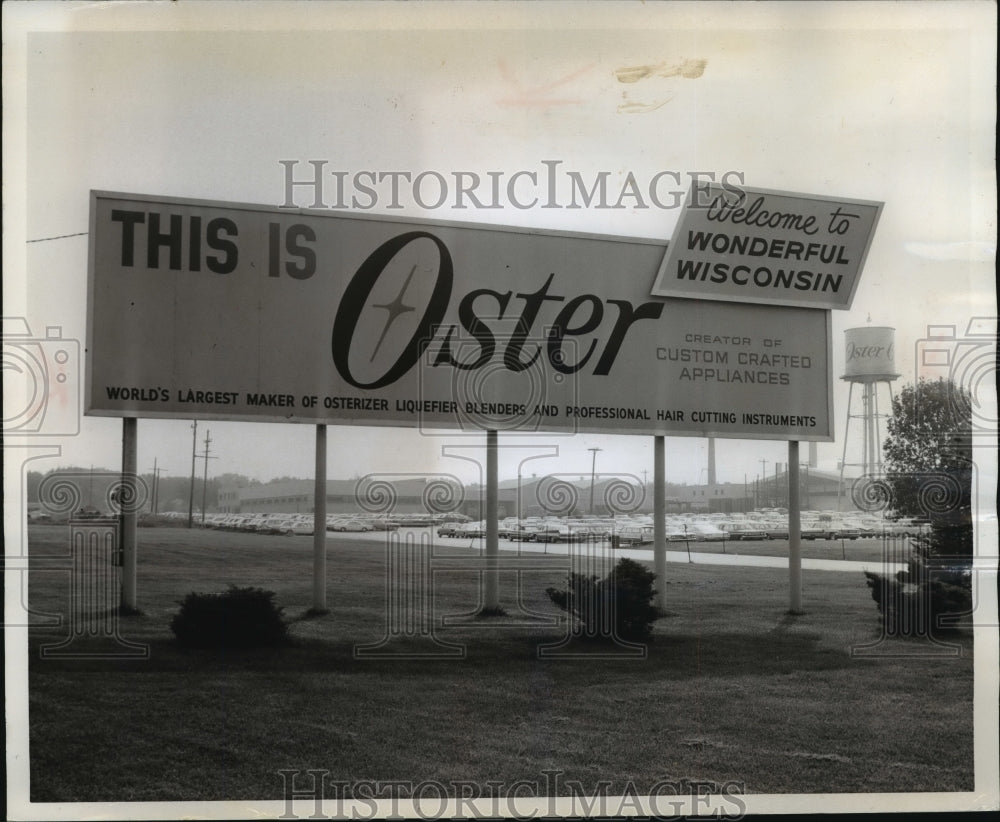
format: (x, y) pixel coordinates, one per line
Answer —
(755, 245)
(204, 310)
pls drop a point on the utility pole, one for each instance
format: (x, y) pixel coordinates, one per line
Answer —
(194, 453)
(593, 467)
(763, 485)
(204, 482)
(155, 470)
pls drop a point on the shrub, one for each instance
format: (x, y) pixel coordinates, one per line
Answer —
(618, 606)
(236, 618)
(936, 583)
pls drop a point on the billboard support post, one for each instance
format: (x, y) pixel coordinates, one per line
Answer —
(794, 531)
(659, 522)
(319, 524)
(492, 592)
(129, 515)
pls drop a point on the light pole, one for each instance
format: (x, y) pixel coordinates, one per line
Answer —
(593, 468)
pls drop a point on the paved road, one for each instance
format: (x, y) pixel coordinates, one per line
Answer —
(723, 559)
(644, 554)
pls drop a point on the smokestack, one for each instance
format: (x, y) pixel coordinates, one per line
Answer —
(812, 455)
(711, 460)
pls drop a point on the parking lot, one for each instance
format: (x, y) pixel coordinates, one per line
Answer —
(700, 542)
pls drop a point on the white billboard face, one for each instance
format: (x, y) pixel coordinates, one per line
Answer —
(209, 310)
(754, 245)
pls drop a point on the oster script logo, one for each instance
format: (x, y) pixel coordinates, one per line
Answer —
(405, 287)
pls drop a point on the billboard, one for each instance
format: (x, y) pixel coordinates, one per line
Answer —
(754, 245)
(205, 310)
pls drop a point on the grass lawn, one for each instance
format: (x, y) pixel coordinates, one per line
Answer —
(732, 688)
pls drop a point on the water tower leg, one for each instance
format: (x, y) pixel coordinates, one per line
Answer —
(843, 456)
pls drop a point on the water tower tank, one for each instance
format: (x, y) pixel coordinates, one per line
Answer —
(870, 354)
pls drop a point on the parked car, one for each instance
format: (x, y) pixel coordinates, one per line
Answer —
(508, 530)
(378, 524)
(471, 529)
(526, 533)
(743, 530)
(705, 532)
(814, 530)
(846, 530)
(415, 520)
(552, 533)
(352, 525)
(635, 535)
(586, 533)
(776, 530)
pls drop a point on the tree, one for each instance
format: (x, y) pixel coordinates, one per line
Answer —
(34, 481)
(928, 450)
(928, 458)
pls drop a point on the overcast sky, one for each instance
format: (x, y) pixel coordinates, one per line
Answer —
(864, 101)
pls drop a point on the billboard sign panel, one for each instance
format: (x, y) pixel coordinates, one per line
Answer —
(200, 309)
(754, 245)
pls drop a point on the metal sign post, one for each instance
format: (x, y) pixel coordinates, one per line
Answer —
(794, 531)
(129, 514)
(659, 522)
(319, 524)
(492, 586)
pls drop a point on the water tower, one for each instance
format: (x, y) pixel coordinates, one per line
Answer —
(871, 364)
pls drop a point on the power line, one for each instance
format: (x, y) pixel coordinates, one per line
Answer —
(58, 237)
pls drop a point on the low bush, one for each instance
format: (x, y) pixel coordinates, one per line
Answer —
(236, 618)
(618, 606)
(934, 591)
